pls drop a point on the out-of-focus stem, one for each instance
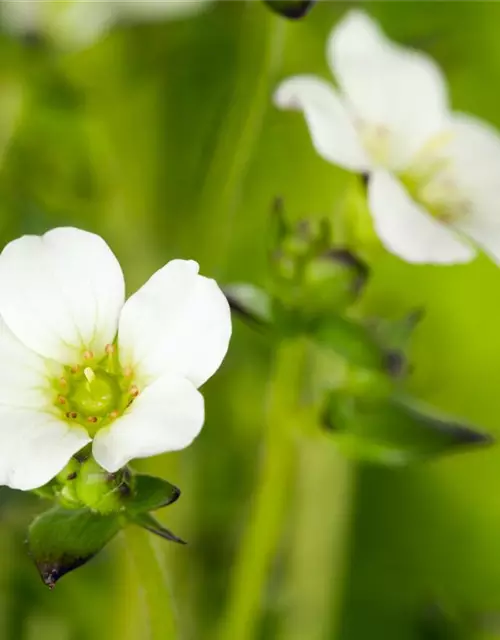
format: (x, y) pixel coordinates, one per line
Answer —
(269, 506)
(261, 42)
(161, 620)
(316, 561)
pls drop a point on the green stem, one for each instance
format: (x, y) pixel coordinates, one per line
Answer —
(316, 560)
(270, 501)
(262, 40)
(151, 576)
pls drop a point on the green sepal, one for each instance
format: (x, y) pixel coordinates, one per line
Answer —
(61, 540)
(396, 431)
(350, 340)
(148, 494)
(146, 521)
(293, 9)
(250, 302)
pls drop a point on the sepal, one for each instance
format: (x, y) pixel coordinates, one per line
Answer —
(397, 430)
(61, 540)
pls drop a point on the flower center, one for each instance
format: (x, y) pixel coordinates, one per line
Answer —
(96, 392)
(431, 181)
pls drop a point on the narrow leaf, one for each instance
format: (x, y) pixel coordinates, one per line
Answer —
(146, 521)
(249, 302)
(61, 540)
(150, 493)
(396, 431)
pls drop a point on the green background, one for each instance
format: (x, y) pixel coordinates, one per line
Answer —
(163, 139)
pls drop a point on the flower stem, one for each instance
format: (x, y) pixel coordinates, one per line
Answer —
(262, 38)
(268, 510)
(150, 572)
(315, 568)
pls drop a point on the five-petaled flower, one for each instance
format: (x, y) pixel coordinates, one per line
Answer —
(78, 363)
(79, 23)
(434, 175)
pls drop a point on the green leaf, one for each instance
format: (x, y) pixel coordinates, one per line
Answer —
(351, 341)
(150, 493)
(146, 521)
(293, 9)
(250, 302)
(61, 540)
(396, 431)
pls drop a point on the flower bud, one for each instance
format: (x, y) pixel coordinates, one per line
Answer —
(99, 490)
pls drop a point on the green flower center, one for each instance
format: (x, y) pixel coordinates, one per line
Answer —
(96, 392)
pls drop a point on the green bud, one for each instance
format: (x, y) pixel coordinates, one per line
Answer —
(333, 281)
(99, 490)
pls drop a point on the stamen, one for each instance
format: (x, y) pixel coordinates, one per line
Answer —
(89, 374)
(134, 391)
(61, 399)
(63, 382)
(88, 355)
(92, 419)
(75, 368)
(114, 414)
(72, 414)
(109, 348)
(127, 372)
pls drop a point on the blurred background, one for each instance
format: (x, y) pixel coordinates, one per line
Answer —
(161, 136)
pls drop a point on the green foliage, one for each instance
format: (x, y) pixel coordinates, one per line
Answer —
(61, 540)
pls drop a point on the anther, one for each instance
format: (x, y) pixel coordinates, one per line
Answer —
(134, 391)
(89, 374)
(109, 348)
(127, 372)
(72, 414)
(88, 355)
(114, 414)
(92, 419)
(75, 368)
(63, 382)
(61, 399)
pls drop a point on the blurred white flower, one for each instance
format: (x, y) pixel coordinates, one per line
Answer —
(78, 363)
(434, 182)
(79, 23)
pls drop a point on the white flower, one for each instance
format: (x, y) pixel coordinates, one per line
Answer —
(434, 181)
(78, 363)
(79, 23)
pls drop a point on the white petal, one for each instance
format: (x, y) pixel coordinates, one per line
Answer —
(178, 322)
(160, 9)
(407, 229)
(330, 124)
(24, 375)
(388, 85)
(35, 446)
(166, 416)
(79, 23)
(21, 17)
(61, 293)
(473, 157)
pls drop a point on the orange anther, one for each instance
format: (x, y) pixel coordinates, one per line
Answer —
(75, 368)
(88, 355)
(72, 414)
(134, 391)
(109, 348)
(61, 399)
(91, 419)
(114, 414)
(63, 382)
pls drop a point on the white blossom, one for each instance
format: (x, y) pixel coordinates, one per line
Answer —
(79, 23)
(434, 174)
(79, 364)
